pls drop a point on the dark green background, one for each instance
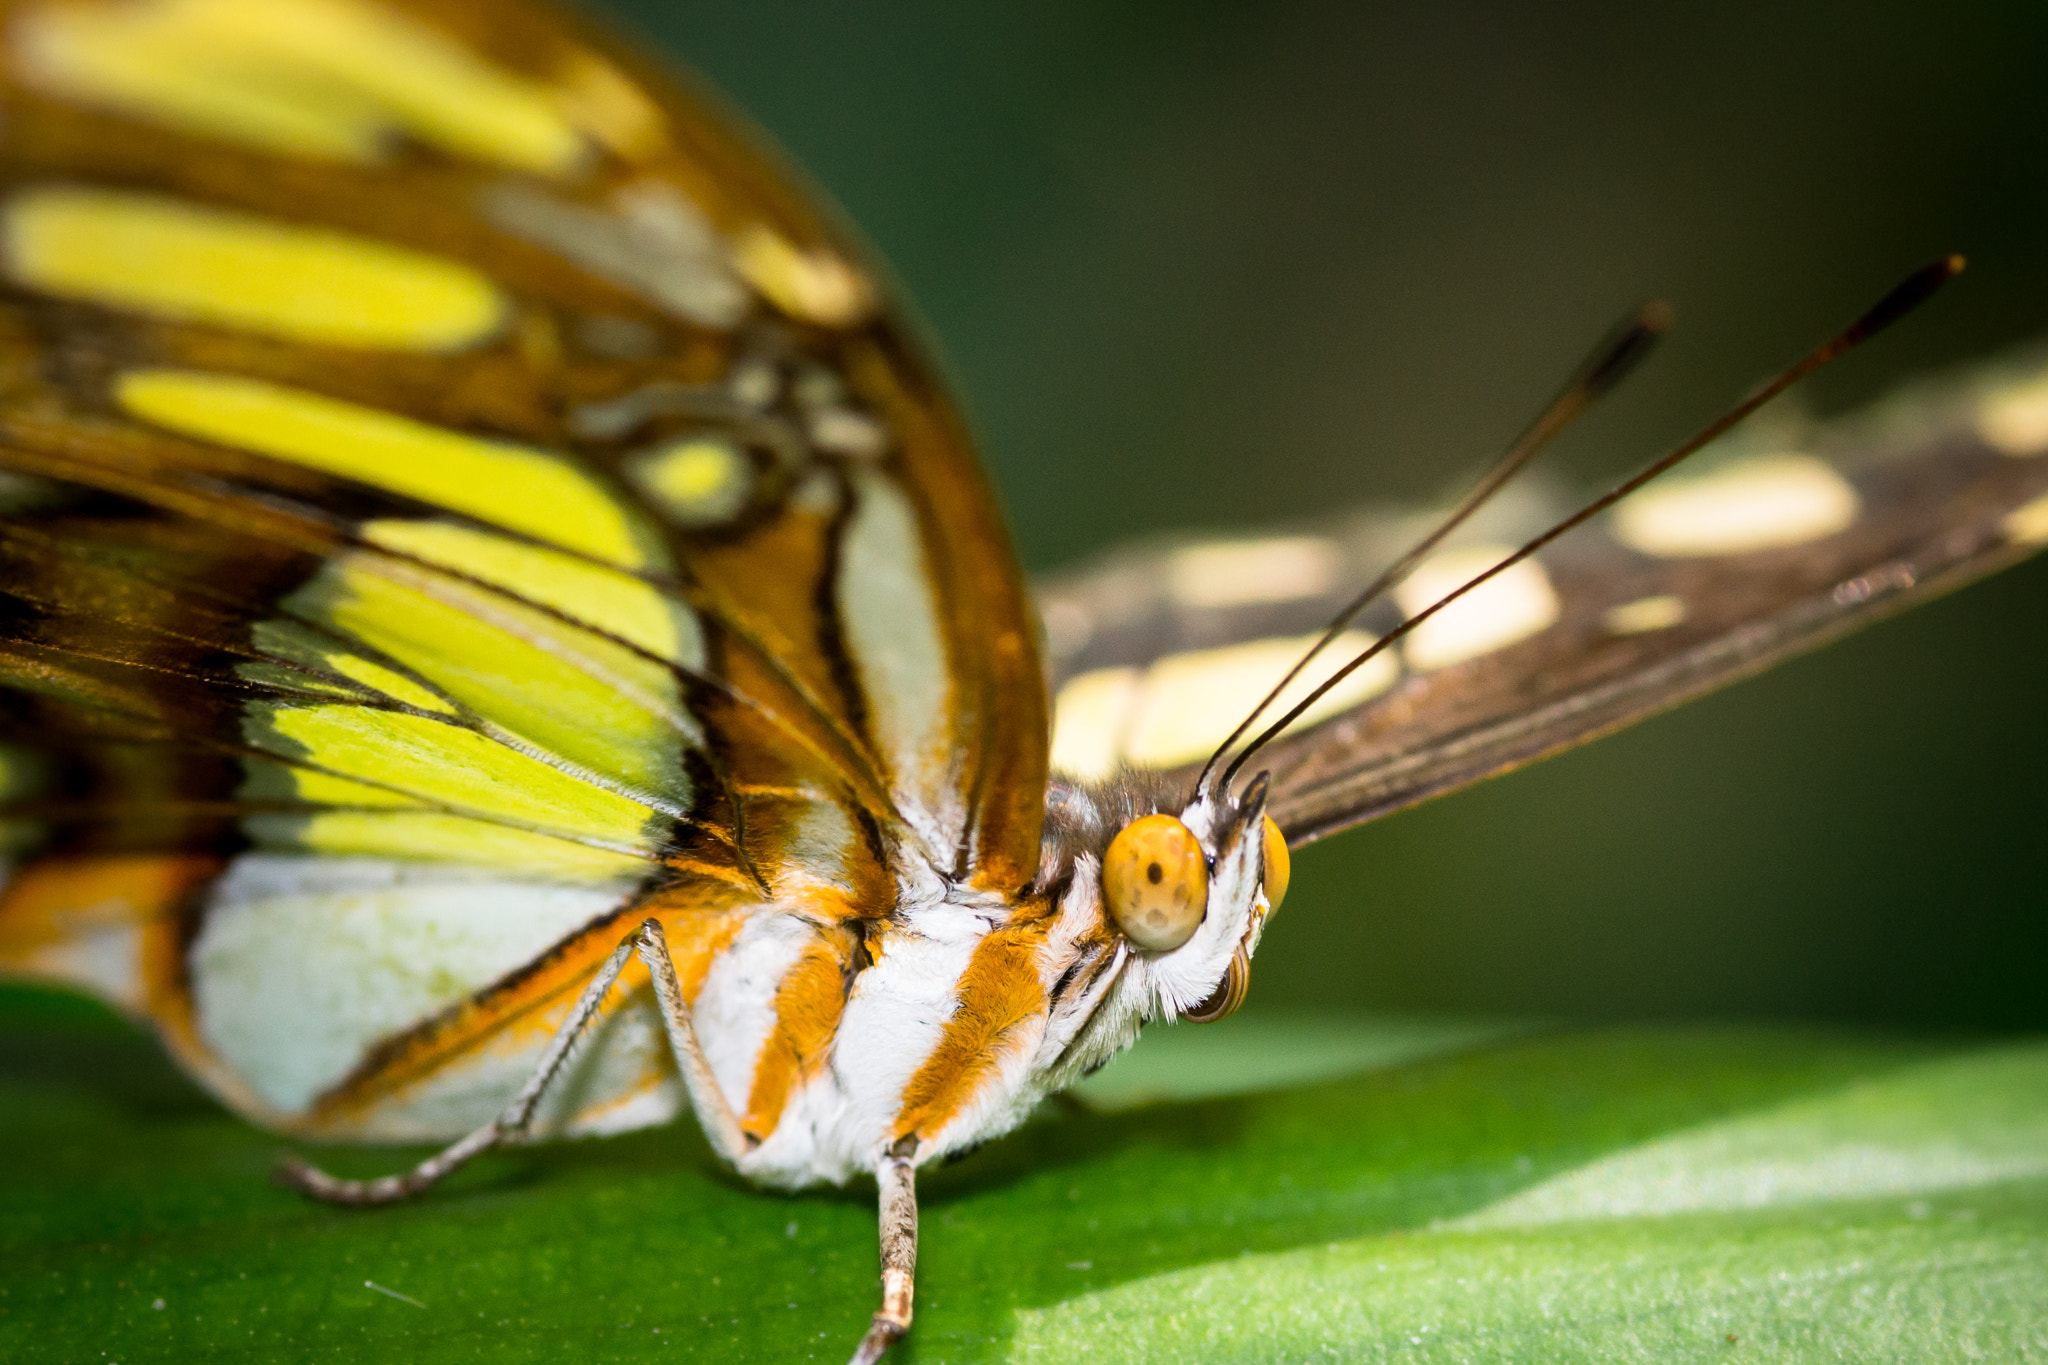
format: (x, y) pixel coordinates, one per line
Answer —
(1219, 265)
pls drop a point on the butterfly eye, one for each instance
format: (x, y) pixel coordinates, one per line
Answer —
(1277, 868)
(1155, 882)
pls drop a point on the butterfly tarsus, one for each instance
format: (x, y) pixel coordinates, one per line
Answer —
(297, 1174)
(896, 1179)
(716, 1115)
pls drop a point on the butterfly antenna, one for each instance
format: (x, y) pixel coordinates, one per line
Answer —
(1907, 295)
(1618, 353)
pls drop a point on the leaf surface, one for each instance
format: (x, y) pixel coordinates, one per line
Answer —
(1276, 1188)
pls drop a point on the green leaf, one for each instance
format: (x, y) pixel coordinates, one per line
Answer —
(1269, 1189)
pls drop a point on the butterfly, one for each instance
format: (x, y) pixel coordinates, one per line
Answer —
(502, 634)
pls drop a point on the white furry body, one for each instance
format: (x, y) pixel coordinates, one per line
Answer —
(304, 965)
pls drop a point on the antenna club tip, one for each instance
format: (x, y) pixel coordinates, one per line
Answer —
(1657, 315)
(1956, 262)
(1905, 296)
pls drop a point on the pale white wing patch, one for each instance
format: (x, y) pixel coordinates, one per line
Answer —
(1090, 717)
(303, 964)
(1235, 573)
(891, 622)
(651, 241)
(1760, 503)
(1659, 612)
(1511, 606)
(1176, 709)
(1182, 706)
(2013, 418)
(2027, 524)
(1192, 700)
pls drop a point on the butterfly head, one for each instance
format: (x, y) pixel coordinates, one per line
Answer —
(1183, 892)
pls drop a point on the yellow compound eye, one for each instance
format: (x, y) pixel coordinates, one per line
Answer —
(1277, 868)
(1155, 882)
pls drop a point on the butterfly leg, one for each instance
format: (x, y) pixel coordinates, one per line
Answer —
(719, 1122)
(897, 1180)
(714, 1112)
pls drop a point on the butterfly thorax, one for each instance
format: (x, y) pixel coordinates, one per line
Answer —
(965, 1007)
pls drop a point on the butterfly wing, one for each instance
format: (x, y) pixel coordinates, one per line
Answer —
(460, 497)
(1777, 547)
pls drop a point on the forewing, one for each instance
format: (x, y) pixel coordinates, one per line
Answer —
(1781, 542)
(456, 301)
(434, 440)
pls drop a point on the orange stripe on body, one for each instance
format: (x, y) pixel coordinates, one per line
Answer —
(999, 991)
(808, 1005)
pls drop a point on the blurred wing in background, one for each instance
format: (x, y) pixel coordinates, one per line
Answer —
(1770, 547)
(459, 500)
